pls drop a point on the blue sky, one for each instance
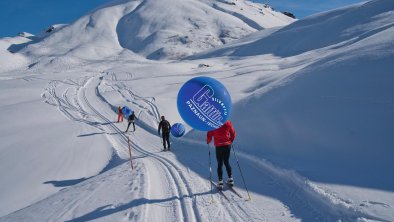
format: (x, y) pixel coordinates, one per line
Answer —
(35, 15)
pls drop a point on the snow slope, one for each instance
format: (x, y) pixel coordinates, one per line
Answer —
(10, 61)
(333, 29)
(313, 120)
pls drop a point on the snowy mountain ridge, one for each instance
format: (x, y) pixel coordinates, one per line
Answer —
(183, 28)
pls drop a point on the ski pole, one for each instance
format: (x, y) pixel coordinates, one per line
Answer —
(241, 173)
(210, 172)
(131, 161)
(161, 140)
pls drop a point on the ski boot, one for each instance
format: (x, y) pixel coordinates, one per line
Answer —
(220, 185)
(230, 181)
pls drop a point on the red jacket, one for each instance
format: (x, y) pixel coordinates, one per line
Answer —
(224, 135)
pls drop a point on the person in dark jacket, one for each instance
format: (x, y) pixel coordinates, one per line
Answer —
(165, 128)
(224, 137)
(131, 120)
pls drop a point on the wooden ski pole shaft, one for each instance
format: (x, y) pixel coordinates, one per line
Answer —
(210, 172)
(131, 160)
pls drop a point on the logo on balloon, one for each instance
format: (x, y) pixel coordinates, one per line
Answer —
(204, 103)
(177, 130)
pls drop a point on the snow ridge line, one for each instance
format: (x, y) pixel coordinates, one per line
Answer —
(248, 21)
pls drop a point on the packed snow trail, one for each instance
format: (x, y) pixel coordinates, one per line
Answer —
(163, 184)
(324, 207)
(180, 210)
(177, 181)
(166, 187)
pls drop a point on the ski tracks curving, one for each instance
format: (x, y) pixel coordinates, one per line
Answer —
(183, 209)
(169, 187)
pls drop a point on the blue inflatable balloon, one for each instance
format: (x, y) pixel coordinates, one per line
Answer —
(204, 103)
(177, 130)
(127, 111)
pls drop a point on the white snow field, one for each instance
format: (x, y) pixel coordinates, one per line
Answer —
(312, 106)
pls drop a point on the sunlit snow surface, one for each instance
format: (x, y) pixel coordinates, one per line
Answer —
(313, 104)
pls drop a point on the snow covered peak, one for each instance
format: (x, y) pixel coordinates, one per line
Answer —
(158, 29)
(334, 29)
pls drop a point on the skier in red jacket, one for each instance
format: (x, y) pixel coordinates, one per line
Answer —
(120, 114)
(224, 137)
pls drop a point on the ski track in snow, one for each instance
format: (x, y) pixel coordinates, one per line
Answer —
(80, 101)
(178, 183)
(166, 186)
(174, 174)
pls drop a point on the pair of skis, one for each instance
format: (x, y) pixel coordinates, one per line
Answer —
(231, 188)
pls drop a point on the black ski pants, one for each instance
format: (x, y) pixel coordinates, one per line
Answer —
(166, 139)
(223, 156)
(129, 126)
